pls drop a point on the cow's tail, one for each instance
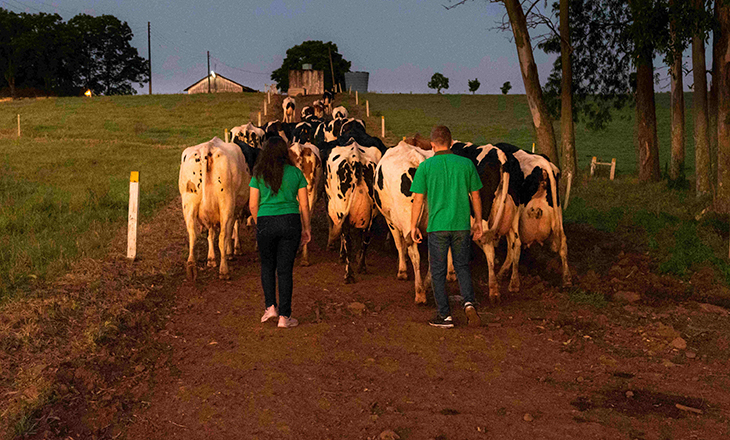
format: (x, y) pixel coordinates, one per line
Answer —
(206, 162)
(501, 200)
(554, 191)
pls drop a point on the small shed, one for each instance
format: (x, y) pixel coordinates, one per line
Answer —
(306, 82)
(218, 84)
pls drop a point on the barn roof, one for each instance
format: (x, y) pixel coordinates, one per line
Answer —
(245, 89)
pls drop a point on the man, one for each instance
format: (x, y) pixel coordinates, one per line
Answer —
(449, 182)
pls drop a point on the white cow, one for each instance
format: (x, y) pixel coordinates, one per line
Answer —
(213, 184)
(306, 157)
(349, 188)
(289, 106)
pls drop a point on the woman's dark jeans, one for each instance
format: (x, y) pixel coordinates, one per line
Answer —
(278, 237)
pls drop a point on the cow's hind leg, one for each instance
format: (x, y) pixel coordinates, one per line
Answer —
(236, 238)
(416, 261)
(211, 247)
(400, 246)
(191, 269)
(488, 249)
(365, 242)
(450, 272)
(346, 249)
(514, 248)
(223, 244)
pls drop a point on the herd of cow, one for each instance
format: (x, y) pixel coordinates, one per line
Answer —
(361, 177)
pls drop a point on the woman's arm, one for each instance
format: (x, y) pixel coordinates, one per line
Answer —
(253, 203)
(303, 198)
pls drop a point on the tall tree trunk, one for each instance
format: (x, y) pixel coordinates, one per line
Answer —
(722, 195)
(567, 129)
(648, 143)
(712, 102)
(676, 164)
(703, 171)
(540, 117)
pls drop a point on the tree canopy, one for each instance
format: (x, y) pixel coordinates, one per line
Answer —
(474, 85)
(438, 82)
(40, 52)
(317, 54)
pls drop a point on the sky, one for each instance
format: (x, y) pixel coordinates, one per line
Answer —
(401, 43)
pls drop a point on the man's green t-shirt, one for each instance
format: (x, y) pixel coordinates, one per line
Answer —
(446, 180)
(285, 201)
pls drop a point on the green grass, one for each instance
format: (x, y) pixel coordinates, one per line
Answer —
(64, 183)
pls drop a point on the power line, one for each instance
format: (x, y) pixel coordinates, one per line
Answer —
(242, 70)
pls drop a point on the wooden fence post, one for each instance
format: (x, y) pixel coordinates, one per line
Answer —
(533, 147)
(266, 110)
(18, 125)
(367, 107)
(357, 100)
(593, 165)
(613, 167)
(133, 210)
(259, 124)
(382, 127)
(225, 135)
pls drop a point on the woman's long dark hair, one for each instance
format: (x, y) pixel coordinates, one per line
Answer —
(270, 164)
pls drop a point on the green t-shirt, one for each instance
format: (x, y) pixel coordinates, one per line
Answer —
(446, 180)
(285, 201)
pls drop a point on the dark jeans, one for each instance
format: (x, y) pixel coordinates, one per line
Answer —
(438, 249)
(278, 237)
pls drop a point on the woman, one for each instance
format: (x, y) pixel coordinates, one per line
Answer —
(278, 195)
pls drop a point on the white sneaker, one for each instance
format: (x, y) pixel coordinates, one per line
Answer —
(287, 322)
(269, 313)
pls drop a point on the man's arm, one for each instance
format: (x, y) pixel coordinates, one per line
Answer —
(416, 208)
(476, 204)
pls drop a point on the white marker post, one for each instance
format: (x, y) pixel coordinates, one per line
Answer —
(225, 135)
(259, 119)
(367, 107)
(268, 95)
(382, 127)
(266, 110)
(357, 100)
(533, 147)
(133, 209)
(18, 125)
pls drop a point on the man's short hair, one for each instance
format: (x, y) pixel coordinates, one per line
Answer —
(441, 135)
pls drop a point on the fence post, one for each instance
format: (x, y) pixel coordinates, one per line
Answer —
(533, 147)
(18, 125)
(593, 165)
(382, 127)
(259, 124)
(367, 107)
(225, 135)
(357, 100)
(133, 209)
(268, 95)
(613, 167)
(266, 110)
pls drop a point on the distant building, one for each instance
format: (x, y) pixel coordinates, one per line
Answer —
(218, 84)
(306, 82)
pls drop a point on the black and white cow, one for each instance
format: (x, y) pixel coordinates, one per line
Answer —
(540, 217)
(340, 113)
(289, 106)
(336, 127)
(327, 99)
(284, 130)
(250, 134)
(303, 133)
(499, 199)
(307, 112)
(318, 106)
(349, 189)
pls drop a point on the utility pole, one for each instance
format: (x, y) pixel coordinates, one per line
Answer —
(332, 69)
(208, 71)
(149, 55)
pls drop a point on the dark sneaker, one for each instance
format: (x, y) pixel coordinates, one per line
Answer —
(440, 322)
(471, 315)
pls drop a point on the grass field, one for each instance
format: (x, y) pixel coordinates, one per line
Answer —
(64, 190)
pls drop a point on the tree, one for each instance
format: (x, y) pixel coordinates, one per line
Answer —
(722, 194)
(474, 85)
(106, 62)
(317, 54)
(506, 87)
(438, 82)
(703, 170)
(567, 127)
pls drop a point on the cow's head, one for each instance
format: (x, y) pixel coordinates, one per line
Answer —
(419, 141)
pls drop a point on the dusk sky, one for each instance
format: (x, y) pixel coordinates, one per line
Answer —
(401, 43)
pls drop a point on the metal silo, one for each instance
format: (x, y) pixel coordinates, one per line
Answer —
(358, 81)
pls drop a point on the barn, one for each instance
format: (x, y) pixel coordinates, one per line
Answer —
(218, 84)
